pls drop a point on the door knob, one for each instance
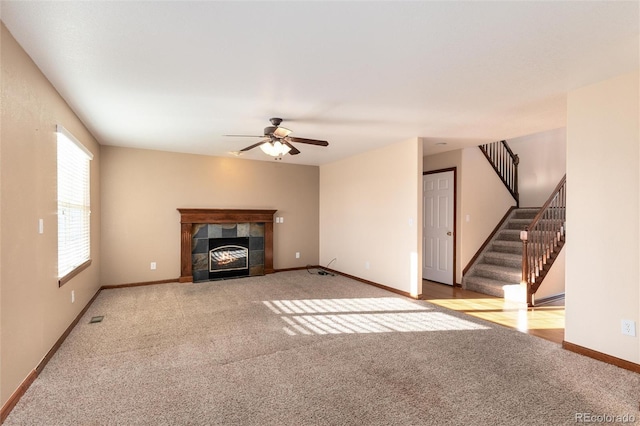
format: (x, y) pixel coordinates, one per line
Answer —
(449, 233)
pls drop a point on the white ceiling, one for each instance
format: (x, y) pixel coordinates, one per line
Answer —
(178, 75)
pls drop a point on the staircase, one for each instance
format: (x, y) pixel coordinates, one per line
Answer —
(514, 260)
(499, 264)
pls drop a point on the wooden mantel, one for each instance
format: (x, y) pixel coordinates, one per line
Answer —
(188, 217)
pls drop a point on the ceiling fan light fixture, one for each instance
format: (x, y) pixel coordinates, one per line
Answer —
(281, 132)
(275, 149)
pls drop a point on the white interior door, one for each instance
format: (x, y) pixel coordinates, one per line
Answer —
(437, 233)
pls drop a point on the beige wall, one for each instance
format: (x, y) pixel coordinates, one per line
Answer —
(141, 190)
(554, 281)
(485, 200)
(34, 311)
(370, 212)
(543, 162)
(447, 160)
(603, 255)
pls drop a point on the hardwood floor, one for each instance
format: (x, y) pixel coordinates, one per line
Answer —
(546, 321)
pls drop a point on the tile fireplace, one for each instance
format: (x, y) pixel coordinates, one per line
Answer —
(225, 243)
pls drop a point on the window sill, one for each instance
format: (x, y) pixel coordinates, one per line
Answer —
(63, 280)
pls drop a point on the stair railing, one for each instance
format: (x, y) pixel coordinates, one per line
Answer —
(543, 239)
(505, 163)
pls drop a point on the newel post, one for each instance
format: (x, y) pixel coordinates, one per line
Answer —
(524, 236)
(516, 161)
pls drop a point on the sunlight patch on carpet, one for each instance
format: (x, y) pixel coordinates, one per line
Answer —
(371, 304)
(363, 315)
(403, 322)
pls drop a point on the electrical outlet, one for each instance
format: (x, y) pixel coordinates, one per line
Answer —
(629, 328)
(153, 266)
(73, 296)
(297, 255)
(367, 265)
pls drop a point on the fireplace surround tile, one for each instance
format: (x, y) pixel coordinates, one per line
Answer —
(200, 276)
(256, 258)
(256, 243)
(199, 230)
(229, 231)
(200, 245)
(256, 270)
(215, 230)
(243, 230)
(256, 229)
(200, 262)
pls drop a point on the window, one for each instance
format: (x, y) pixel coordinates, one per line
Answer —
(74, 206)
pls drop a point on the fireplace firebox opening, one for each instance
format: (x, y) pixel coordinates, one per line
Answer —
(228, 257)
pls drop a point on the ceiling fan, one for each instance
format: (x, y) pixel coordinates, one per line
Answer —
(277, 141)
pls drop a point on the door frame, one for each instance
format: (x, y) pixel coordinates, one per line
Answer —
(455, 214)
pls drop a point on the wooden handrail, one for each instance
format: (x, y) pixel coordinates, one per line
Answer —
(543, 239)
(547, 203)
(505, 164)
(508, 148)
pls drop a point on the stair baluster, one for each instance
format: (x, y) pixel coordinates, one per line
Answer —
(543, 239)
(505, 164)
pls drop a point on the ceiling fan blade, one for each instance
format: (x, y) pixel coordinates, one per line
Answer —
(309, 141)
(294, 150)
(253, 146)
(281, 132)
(243, 136)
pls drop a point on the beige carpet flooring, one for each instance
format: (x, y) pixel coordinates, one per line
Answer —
(298, 349)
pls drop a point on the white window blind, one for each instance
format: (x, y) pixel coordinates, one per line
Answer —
(74, 205)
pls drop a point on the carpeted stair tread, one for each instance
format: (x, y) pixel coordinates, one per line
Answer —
(512, 260)
(486, 286)
(502, 273)
(504, 246)
(518, 224)
(509, 234)
(525, 213)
